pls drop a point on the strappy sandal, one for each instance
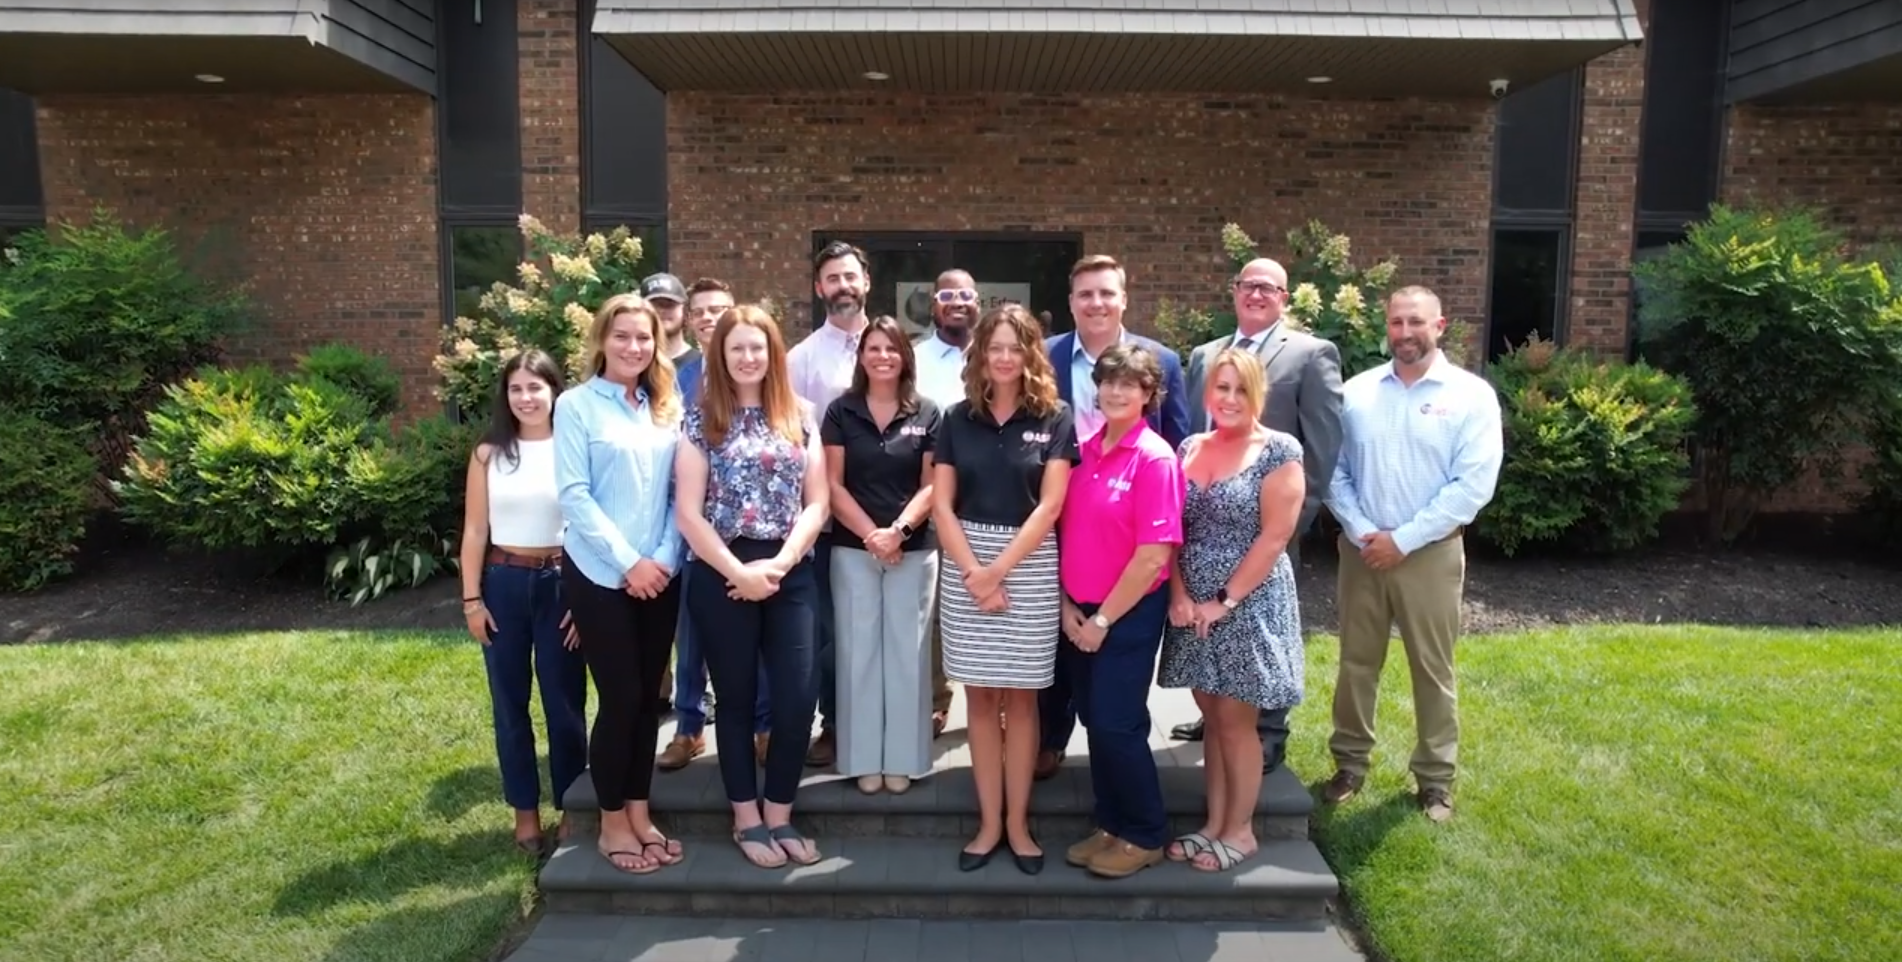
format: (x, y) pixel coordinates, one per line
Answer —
(1226, 857)
(763, 837)
(1190, 845)
(651, 868)
(787, 833)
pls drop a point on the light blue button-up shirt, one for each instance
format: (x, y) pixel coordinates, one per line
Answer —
(1083, 385)
(615, 470)
(1418, 461)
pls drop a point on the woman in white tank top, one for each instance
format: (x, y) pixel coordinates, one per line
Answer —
(512, 595)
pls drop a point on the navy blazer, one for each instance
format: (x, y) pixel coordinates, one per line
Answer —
(1171, 420)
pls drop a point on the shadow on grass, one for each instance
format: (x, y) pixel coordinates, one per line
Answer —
(479, 928)
(466, 861)
(1348, 839)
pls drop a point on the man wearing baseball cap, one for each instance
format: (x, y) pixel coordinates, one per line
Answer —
(669, 297)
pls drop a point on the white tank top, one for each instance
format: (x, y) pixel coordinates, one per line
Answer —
(524, 505)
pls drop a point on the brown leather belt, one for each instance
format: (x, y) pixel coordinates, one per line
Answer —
(499, 557)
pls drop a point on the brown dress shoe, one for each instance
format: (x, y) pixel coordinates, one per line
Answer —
(1080, 854)
(761, 741)
(1120, 859)
(1343, 786)
(680, 751)
(1047, 763)
(1436, 804)
(824, 750)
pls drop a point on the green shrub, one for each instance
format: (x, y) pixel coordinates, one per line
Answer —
(368, 376)
(96, 319)
(1882, 476)
(1595, 451)
(45, 499)
(1788, 343)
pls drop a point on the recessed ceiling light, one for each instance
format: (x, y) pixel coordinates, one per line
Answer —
(1320, 80)
(877, 75)
(210, 78)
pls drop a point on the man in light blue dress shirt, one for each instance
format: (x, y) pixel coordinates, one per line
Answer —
(1420, 456)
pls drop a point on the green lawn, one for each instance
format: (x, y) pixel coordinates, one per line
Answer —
(1635, 793)
(264, 798)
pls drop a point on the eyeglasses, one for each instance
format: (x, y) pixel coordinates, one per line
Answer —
(1264, 288)
(957, 295)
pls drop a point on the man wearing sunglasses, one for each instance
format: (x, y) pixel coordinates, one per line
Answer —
(940, 359)
(1304, 400)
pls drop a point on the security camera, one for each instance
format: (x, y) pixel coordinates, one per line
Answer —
(1499, 88)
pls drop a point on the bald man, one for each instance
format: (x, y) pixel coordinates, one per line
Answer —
(1304, 399)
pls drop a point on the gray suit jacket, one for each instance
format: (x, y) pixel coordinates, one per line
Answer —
(1304, 399)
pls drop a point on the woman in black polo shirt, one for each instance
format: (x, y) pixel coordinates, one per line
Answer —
(878, 438)
(1002, 464)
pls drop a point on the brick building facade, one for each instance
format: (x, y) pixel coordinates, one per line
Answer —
(354, 197)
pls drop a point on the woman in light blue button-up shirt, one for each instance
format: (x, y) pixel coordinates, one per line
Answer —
(615, 435)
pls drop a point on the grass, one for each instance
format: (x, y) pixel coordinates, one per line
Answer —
(1636, 793)
(313, 796)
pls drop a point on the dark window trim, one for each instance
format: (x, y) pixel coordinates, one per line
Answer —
(445, 209)
(1561, 304)
(584, 61)
(24, 217)
(1574, 136)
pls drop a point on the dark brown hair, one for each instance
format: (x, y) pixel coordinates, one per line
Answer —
(907, 362)
(1132, 363)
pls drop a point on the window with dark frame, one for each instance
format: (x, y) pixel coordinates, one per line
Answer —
(623, 147)
(1535, 182)
(1528, 264)
(479, 258)
(22, 206)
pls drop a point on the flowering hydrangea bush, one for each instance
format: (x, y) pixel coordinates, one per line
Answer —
(561, 283)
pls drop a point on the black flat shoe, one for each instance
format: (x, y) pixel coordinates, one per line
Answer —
(972, 861)
(1028, 864)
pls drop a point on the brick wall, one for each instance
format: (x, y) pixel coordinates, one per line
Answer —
(547, 35)
(1607, 200)
(326, 206)
(1147, 178)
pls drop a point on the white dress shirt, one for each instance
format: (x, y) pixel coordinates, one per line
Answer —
(1418, 461)
(821, 366)
(940, 371)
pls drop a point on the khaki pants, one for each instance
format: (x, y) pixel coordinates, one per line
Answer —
(1421, 594)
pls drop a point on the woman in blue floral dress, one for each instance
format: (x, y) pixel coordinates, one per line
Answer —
(1235, 625)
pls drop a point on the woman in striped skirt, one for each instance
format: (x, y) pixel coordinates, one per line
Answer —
(1002, 464)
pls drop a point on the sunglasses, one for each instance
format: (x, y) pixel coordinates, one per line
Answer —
(957, 295)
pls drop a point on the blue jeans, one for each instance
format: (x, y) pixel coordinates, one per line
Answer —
(524, 649)
(690, 677)
(1110, 688)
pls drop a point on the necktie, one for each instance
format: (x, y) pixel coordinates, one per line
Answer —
(1242, 343)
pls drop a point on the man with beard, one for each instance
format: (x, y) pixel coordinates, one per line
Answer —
(1304, 400)
(669, 298)
(821, 369)
(1098, 301)
(1420, 458)
(940, 359)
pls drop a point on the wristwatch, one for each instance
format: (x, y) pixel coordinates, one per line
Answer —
(1221, 595)
(1099, 621)
(903, 528)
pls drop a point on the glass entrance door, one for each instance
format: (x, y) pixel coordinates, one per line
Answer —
(1030, 269)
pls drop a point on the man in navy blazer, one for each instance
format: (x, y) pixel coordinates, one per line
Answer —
(1097, 301)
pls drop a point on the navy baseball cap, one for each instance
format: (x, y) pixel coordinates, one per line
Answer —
(664, 287)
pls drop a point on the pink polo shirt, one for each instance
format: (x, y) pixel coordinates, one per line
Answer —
(1116, 503)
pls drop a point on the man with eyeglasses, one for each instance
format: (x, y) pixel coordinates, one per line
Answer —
(940, 360)
(1304, 399)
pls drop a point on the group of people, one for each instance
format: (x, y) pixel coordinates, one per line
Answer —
(1055, 524)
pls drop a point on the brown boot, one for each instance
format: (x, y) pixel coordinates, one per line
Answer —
(1121, 860)
(824, 750)
(1436, 804)
(1080, 854)
(1047, 764)
(1343, 786)
(761, 741)
(680, 751)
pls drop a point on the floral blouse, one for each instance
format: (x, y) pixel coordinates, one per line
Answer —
(755, 480)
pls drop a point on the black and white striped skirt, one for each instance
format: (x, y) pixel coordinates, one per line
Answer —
(1014, 648)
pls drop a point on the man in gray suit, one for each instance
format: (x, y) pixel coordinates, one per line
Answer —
(1304, 399)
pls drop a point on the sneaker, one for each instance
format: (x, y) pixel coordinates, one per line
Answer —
(1343, 786)
(1436, 804)
(680, 751)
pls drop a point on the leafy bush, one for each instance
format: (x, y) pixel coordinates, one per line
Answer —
(45, 499)
(1595, 451)
(367, 376)
(96, 319)
(291, 466)
(1787, 342)
(1882, 476)
(1331, 298)
(564, 280)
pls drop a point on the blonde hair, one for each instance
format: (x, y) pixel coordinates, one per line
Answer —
(1248, 369)
(1039, 391)
(719, 396)
(659, 380)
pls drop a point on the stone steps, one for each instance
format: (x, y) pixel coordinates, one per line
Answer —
(942, 805)
(888, 877)
(597, 938)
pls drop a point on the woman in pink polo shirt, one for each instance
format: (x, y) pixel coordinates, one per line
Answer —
(1121, 523)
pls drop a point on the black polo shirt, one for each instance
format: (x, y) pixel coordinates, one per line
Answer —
(1000, 467)
(883, 469)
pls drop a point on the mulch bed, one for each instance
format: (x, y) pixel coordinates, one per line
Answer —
(133, 590)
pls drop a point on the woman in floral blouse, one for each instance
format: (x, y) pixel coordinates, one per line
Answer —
(750, 499)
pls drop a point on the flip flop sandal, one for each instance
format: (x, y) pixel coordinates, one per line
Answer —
(1191, 845)
(669, 850)
(651, 868)
(787, 833)
(762, 836)
(1226, 857)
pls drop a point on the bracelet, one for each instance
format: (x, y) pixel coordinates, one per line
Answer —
(476, 598)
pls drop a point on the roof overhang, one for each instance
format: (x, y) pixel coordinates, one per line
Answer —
(1127, 46)
(1847, 77)
(297, 46)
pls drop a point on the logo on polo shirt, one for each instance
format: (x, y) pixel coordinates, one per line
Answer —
(1435, 410)
(1036, 437)
(913, 430)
